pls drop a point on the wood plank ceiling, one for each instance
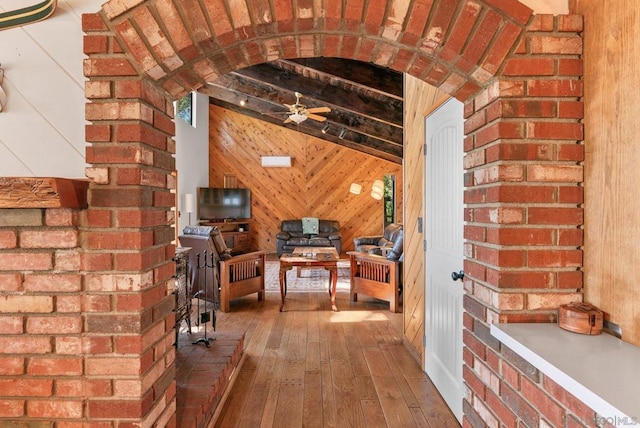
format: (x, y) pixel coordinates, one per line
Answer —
(366, 100)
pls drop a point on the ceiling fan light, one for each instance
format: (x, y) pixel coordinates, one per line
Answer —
(297, 117)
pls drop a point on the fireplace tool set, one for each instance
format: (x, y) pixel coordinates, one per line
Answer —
(208, 312)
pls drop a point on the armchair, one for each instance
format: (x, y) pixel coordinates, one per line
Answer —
(375, 276)
(237, 276)
(376, 266)
(389, 244)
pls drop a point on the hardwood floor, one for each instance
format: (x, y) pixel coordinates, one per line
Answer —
(311, 367)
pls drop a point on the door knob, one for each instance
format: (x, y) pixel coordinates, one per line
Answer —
(457, 275)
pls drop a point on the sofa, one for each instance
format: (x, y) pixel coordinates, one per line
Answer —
(306, 232)
(390, 244)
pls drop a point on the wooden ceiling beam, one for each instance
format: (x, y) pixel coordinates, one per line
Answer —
(389, 112)
(376, 82)
(230, 99)
(278, 96)
(366, 100)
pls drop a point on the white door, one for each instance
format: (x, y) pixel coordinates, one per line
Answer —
(444, 221)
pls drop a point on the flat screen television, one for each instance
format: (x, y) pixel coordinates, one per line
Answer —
(223, 204)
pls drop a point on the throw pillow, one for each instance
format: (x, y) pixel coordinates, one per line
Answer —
(310, 225)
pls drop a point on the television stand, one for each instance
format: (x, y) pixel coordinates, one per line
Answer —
(235, 233)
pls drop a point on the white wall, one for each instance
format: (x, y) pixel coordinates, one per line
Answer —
(192, 157)
(42, 126)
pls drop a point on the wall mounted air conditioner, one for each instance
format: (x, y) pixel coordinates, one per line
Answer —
(276, 161)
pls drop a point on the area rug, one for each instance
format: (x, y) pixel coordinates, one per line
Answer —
(310, 280)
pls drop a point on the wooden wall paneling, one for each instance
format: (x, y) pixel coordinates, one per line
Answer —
(611, 126)
(419, 96)
(317, 184)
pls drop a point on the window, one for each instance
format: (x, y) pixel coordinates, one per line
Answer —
(389, 199)
(184, 108)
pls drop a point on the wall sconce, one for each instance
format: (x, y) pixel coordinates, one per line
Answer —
(3, 94)
(189, 205)
(355, 188)
(244, 101)
(342, 133)
(325, 129)
(377, 189)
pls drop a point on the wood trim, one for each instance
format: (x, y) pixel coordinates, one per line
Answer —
(419, 99)
(436, 105)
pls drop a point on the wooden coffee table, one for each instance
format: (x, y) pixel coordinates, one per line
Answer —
(311, 257)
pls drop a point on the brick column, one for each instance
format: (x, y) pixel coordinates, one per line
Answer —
(128, 238)
(524, 217)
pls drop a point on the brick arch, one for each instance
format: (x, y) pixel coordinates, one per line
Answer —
(456, 46)
(518, 74)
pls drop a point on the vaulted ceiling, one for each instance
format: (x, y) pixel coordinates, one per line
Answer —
(366, 101)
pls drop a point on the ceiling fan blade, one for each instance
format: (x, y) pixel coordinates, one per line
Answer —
(274, 113)
(287, 120)
(319, 110)
(316, 117)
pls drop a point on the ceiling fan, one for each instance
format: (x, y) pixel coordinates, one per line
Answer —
(299, 112)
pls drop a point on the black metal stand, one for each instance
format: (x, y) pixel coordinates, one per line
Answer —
(205, 316)
(182, 291)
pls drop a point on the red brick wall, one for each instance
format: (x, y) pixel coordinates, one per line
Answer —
(523, 177)
(456, 46)
(523, 238)
(103, 283)
(42, 373)
(507, 391)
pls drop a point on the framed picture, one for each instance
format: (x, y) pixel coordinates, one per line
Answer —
(230, 181)
(184, 108)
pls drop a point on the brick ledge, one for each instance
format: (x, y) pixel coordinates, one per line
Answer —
(43, 192)
(601, 371)
(203, 376)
